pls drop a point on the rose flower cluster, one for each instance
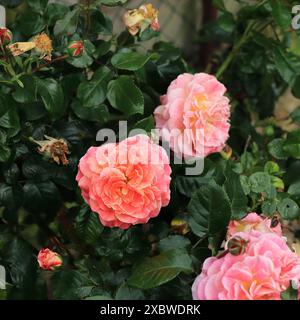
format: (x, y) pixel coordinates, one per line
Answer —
(262, 271)
(128, 182)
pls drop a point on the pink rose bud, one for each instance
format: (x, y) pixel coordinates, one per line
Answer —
(75, 49)
(49, 260)
(5, 36)
(237, 246)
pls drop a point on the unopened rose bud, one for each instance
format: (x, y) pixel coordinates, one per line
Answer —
(237, 246)
(75, 49)
(226, 153)
(5, 36)
(49, 260)
(179, 226)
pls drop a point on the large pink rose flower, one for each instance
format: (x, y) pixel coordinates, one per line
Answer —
(194, 115)
(126, 183)
(253, 221)
(261, 273)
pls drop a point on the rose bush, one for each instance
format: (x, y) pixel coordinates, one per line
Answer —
(79, 222)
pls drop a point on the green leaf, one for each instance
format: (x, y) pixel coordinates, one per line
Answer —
(173, 242)
(296, 87)
(99, 298)
(41, 196)
(68, 24)
(295, 115)
(210, 210)
(68, 284)
(102, 49)
(10, 196)
(55, 11)
(294, 190)
(268, 207)
(271, 167)
(87, 225)
(11, 121)
(31, 23)
(18, 256)
(93, 93)
(236, 194)
(125, 96)
(277, 182)
(28, 94)
(5, 153)
(291, 293)
(219, 4)
(146, 124)
(52, 95)
(131, 61)
(153, 272)
(226, 22)
(187, 185)
(276, 150)
(101, 23)
(260, 182)
(96, 113)
(288, 209)
(37, 5)
(124, 292)
(281, 14)
(283, 63)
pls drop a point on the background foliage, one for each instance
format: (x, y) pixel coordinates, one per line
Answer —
(256, 55)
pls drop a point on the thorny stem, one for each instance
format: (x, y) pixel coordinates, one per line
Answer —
(60, 58)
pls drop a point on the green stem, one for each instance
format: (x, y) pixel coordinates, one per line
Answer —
(198, 242)
(235, 50)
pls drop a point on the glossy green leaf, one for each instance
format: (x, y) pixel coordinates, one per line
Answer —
(153, 272)
(125, 96)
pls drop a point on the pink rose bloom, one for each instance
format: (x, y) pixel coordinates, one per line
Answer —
(261, 273)
(49, 260)
(194, 115)
(253, 221)
(126, 183)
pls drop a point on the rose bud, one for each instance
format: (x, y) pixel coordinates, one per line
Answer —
(179, 226)
(226, 153)
(49, 260)
(75, 49)
(237, 246)
(5, 36)
(138, 20)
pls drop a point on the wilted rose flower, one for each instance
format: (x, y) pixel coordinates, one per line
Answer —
(194, 115)
(263, 272)
(126, 183)
(5, 36)
(57, 149)
(75, 49)
(253, 221)
(41, 43)
(140, 19)
(49, 260)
